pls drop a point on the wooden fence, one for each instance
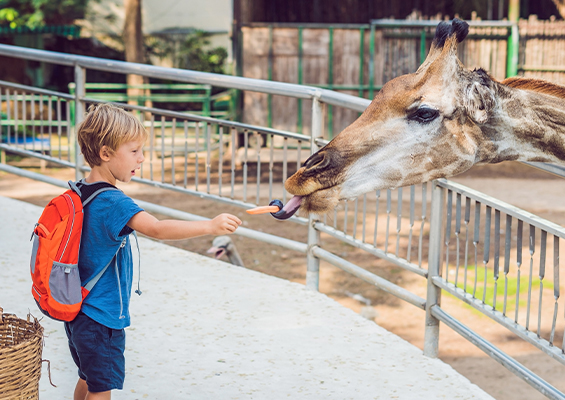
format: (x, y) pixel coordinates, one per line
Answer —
(542, 49)
(339, 57)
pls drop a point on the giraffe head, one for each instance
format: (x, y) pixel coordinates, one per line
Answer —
(419, 127)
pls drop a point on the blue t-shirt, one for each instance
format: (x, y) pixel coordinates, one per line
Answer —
(104, 227)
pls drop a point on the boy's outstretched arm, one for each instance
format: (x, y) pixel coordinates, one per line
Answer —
(148, 225)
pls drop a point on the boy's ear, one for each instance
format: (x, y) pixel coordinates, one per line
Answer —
(105, 153)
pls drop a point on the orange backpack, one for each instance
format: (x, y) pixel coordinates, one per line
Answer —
(56, 238)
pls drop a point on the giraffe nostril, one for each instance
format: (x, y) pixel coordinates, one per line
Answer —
(318, 160)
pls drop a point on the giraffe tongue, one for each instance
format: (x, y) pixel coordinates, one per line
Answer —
(289, 208)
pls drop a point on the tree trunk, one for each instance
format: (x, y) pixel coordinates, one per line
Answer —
(133, 43)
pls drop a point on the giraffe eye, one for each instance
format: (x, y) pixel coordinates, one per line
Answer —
(424, 115)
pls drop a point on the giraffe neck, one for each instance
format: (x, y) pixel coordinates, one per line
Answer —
(528, 126)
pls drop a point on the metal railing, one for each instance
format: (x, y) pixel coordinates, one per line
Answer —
(496, 258)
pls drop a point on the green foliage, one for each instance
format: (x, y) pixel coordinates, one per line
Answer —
(192, 52)
(486, 287)
(9, 16)
(36, 13)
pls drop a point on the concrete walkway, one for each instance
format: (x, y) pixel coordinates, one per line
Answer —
(204, 329)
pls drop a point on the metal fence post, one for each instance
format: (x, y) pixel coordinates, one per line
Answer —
(313, 263)
(431, 335)
(80, 91)
(512, 51)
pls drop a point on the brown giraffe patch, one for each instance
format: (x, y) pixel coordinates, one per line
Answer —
(394, 175)
(554, 146)
(505, 155)
(491, 132)
(514, 109)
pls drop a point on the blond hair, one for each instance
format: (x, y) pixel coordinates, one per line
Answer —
(110, 126)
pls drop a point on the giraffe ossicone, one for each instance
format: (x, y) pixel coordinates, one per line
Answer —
(436, 122)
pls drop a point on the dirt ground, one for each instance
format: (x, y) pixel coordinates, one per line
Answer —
(519, 185)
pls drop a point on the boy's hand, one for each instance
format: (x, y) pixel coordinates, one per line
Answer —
(224, 224)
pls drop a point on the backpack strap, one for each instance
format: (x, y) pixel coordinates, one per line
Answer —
(88, 192)
(138, 291)
(90, 284)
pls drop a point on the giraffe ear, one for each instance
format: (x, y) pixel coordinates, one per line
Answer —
(479, 98)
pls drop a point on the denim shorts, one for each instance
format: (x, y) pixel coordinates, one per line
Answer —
(98, 352)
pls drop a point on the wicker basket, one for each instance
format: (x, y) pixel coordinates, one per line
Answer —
(21, 344)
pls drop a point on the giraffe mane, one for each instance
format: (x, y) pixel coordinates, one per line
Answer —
(536, 85)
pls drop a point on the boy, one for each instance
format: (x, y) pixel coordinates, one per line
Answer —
(111, 141)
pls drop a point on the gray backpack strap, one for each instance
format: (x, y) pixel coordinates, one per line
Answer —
(97, 277)
(93, 195)
(87, 192)
(138, 291)
(74, 187)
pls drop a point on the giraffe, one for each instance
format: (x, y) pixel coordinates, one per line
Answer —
(434, 123)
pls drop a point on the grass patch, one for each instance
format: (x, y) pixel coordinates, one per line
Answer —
(486, 291)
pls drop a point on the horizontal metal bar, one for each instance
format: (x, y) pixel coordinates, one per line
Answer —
(155, 97)
(320, 142)
(245, 232)
(378, 22)
(221, 94)
(508, 362)
(297, 25)
(158, 86)
(33, 175)
(417, 34)
(36, 90)
(551, 168)
(369, 277)
(529, 336)
(370, 249)
(182, 75)
(28, 122)
(35, 154)
(347, 87)
(199, 118)
(395, 23)
(542, 68)
(508, 209)
(181, 31)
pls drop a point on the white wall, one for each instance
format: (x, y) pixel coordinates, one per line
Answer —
(210, 15)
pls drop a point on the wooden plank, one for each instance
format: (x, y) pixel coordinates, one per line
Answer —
(346, 72)
(285, 69)
(558, 32)
(536, 59)
(502, 55)
(255, 65)
(380, 57)
(315, 61)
